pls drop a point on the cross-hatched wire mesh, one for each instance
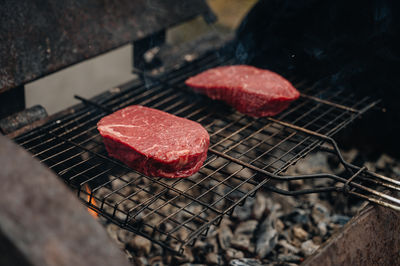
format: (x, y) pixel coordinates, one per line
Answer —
(173, 212)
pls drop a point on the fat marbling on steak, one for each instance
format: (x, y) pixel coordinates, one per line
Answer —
(250, 90)
(154, 142)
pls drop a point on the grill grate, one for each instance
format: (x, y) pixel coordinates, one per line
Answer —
(245, 153)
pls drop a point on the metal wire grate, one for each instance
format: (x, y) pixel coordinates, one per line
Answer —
(174, 212)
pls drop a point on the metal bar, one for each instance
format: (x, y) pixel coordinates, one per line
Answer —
(329, 103)
(314, 144)
(307, 138)
(268, 151)
(303, 191)
(99, 106)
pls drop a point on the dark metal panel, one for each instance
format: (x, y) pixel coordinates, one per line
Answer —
(42, 36)
(43, 220)
(18, 120)
(370, 238)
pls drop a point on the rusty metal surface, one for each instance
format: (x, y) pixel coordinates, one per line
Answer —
(44, 220)
(39, 37)
(370, 238)
(21, 119)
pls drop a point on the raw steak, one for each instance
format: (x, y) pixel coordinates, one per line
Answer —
(252, 91)
(154, 142)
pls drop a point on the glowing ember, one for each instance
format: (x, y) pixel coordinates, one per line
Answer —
(92, 202)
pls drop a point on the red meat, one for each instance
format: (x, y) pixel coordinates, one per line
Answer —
(154, 142)
(252, 91)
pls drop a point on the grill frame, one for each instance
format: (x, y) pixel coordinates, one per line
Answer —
(153, 92)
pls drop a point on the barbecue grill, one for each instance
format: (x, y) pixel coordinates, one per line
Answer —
(245, 153)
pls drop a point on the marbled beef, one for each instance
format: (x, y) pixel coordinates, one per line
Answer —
(252, 91)
(154, 142)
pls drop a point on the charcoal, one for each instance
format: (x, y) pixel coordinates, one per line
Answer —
(319, 213)
(212, 245)
(128, 255)
(278, 230)
(166, 227)
(246, 228)
(224, 237)
(334, 228)
(384, 161)
(156, 261)
(317, 240)
(120, 215)
(266, 238)
(244, 212)
(157, 250)
(213, 259)
(349, 155)
(140, 244)
(226, 221)
(289, 258)
(308, 247)
(370, 166)
(288, 246)
(187, 257)
(119, 184)
(299, 233)
(396, 170)
(314, 163)
(182, 234)
(259, 206)
(182, 186)
(140, 261)
(212, 231)
(193, 208)
(322, 227)
(299, 216)
(124, 236)
(242, 242)
(279, 225)
(340, 219)
(233, 254)
(245, 262)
